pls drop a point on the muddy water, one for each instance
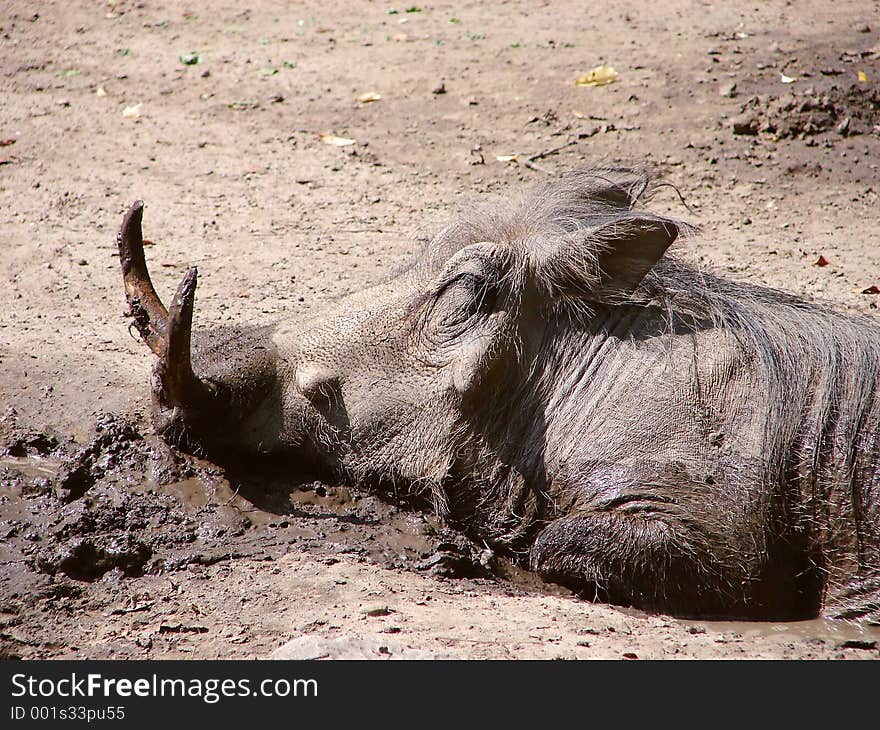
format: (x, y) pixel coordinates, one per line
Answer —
(15, 508)
(833, 632)
(201, 518)
(311, 511)
(33, 467)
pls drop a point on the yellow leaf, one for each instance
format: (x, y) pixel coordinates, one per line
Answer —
(598, 76)
(332, 139)
(369, 97)
(863, 77)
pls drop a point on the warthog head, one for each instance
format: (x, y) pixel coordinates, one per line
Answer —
(422, 380)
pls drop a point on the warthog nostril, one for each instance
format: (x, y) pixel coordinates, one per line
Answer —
(316, 382)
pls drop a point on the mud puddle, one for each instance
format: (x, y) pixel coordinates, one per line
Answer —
(79, 523)
(819, 632)
(312, 515)
(125, 506)
(837, 633)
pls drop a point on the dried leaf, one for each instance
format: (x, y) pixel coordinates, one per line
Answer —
(369, 97)
(863, 77)
(873, 289)
(598, 76)
(507, 158)
(821, 261)
(7, 142)
(332, 139)
(132, 112)
(786, 79)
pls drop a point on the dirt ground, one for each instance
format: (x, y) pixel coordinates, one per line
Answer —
(765, 116)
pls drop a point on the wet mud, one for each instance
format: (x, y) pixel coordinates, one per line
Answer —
(127, 505)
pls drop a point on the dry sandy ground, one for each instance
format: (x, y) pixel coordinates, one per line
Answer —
(97, 108)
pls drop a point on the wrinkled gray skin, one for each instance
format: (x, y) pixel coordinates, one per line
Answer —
(549, 380)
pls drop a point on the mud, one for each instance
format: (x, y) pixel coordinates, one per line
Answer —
(127, 506)
(112, 545)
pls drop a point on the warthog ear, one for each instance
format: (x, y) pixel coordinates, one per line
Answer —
(609, 261)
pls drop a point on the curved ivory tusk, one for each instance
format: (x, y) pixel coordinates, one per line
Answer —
(149, 314)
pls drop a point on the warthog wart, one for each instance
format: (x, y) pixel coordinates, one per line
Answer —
(550, 380)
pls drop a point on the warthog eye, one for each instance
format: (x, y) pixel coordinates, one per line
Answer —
(459, 302)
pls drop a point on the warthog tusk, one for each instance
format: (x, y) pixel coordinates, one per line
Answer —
(181, 384)
(146, 309)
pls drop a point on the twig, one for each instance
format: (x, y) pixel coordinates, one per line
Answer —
(532, 166)
(530, 161)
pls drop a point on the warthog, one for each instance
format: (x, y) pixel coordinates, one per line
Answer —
(552, 382)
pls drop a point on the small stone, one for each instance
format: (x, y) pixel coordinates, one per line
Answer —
(745, 124)
(727, 90)
(439, 89)
(375, 611)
